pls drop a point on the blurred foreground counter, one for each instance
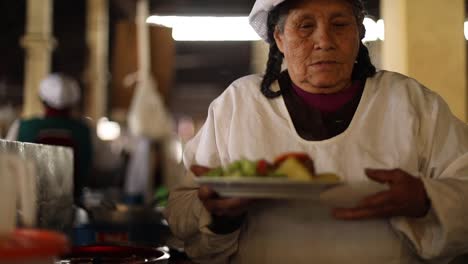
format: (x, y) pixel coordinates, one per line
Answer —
(105, 222)
(51, 179)
(32, 246)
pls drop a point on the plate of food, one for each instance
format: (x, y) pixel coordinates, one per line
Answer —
(290, 176)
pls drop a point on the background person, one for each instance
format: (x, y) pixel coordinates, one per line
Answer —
(59, 94)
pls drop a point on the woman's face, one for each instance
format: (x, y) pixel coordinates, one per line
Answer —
(320, 43)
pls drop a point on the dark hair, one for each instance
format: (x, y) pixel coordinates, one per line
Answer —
(363, 67)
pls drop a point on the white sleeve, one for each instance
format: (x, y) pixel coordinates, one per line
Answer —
(189, 221)
(443, 233)
(187, 217)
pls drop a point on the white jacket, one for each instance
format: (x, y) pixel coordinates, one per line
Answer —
(398, 124)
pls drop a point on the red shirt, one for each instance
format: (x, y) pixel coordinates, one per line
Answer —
(328, 103)
(320, 116)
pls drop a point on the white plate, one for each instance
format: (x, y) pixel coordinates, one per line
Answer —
(263, 187)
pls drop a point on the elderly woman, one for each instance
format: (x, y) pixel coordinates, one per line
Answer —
(332, 104)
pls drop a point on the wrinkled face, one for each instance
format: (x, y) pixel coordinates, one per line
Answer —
(320, 43)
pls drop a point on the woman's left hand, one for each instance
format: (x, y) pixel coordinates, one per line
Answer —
(406, 196)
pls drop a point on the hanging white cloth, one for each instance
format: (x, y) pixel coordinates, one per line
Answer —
(148, 116)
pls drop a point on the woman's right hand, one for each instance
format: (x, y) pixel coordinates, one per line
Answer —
(216, 205)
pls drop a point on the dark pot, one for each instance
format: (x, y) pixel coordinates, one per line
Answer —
(123, 224)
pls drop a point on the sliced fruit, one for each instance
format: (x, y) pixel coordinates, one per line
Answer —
(298, 155)
(263, 167)
(199, 170)
(248, 168)
(216, 172)
(294, 170)
(309, 164)
(241, 168)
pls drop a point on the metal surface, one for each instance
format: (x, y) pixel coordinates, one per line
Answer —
(112, 254)
(54, 179)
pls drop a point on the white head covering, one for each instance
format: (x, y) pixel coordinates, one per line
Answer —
(259, 15)
(59, 91)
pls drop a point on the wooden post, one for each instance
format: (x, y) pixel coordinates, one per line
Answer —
(97, 71)
(38, 43)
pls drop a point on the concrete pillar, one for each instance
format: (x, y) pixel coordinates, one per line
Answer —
(97, 72)
(424, 40)
(38, 43)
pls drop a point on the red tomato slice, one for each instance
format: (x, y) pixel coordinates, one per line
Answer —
(263, 167)
(303, 157)
(199, 170)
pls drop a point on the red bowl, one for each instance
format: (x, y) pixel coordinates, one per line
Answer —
(26, 244)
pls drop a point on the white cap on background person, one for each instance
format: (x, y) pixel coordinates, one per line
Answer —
(59, 91)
